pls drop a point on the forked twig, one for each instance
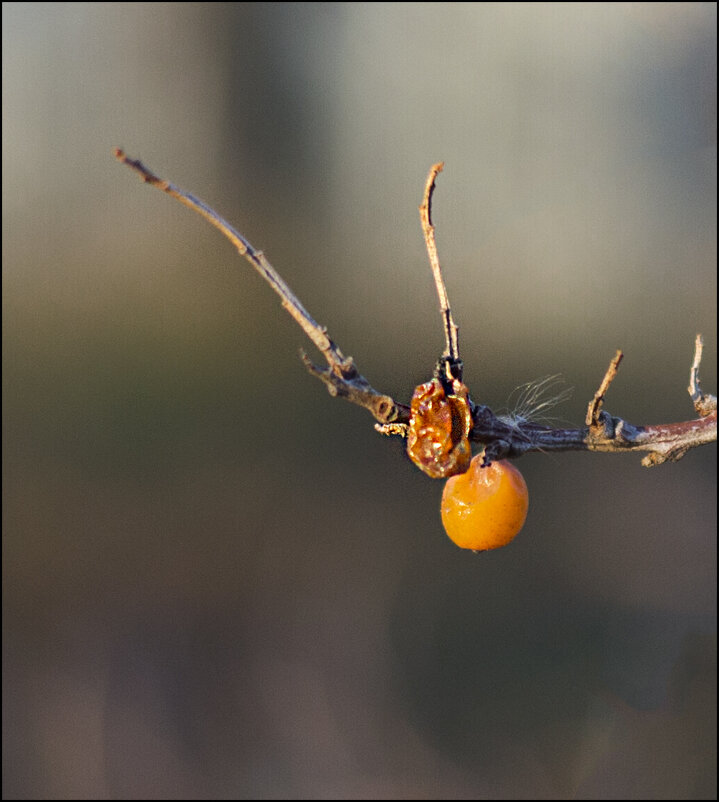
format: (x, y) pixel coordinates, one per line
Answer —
(342, 377)
(500, 437)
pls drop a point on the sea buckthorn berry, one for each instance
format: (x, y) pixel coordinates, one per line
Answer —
(439, 426)
(485, 508)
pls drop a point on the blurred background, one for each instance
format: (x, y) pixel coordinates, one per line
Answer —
(218, 581)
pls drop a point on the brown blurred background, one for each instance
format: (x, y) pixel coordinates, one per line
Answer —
(221, 583)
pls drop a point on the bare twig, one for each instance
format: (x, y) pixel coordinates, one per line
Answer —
(499, 436)
(342, 377)
(704, 404)
(596, 403)
(450, 358)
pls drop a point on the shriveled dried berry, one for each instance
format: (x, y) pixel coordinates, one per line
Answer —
(439, 426)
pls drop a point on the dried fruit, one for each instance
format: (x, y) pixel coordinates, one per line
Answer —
(439, 426)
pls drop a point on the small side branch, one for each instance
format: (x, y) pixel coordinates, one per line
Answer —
(595, 406)
(704, 404)
(452, 362)
(341, 377)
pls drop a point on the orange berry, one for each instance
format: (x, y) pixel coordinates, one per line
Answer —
(485, 508)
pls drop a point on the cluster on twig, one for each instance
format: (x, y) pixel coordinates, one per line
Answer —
(500, 438)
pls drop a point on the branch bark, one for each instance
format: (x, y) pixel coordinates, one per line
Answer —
(500, 438)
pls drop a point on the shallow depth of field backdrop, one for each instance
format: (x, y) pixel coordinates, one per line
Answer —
(219, 581)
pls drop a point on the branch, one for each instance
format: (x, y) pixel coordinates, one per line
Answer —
(604, 432)
(704, 404)
(450, 361)
(499, 436)
(595, 406)
(341, 377)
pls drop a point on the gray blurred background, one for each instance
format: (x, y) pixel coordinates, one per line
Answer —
(221, 583)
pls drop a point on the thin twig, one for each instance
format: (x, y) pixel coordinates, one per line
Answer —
(596, 403)
(451, 351)
(342, 377)
(499, 436)
(704, 404)
(256, 258)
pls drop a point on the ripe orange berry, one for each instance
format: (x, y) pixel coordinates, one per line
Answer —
(485, 508)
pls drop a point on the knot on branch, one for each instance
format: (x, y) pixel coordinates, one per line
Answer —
(656, 458)
(602, 428)
(343, 380)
